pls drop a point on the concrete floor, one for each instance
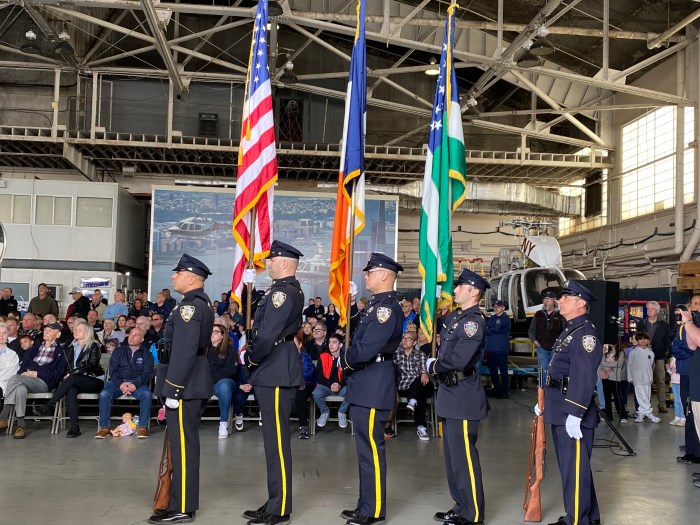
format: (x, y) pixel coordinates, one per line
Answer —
(51, 479)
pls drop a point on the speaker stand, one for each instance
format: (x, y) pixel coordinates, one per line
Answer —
(615, 431)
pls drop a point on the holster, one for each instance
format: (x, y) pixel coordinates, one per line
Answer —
(163, 348)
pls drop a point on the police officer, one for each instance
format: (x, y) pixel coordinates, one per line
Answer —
(183, 378)
(371, 386)
(569, 406)
(275, 372)
(461, 400)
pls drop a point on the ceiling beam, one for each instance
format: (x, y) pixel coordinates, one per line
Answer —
(164, 50)
(535, 134)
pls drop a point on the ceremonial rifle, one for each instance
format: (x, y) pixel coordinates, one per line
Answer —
(533, 504)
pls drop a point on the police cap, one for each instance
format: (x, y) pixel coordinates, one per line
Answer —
(577, 290)
(468, 277)
(379, 260)
(281, 249)
(548, 293)
(190, 264)
(499, 303)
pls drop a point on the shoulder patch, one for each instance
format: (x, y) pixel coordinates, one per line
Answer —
(471, 328)
(186, 312)
(383, 314)
(278, 299)
(588, 342)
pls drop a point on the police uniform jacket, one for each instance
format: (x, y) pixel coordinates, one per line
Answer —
(379, 332)
(461, 346)
(188, 332)
(577, 355)
(274, 358)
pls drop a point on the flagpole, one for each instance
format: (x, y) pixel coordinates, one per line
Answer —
(251, 265)
(349, 258)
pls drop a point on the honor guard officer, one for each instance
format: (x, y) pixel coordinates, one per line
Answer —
(183, 378)
(569, 406)
(275, 372)
(461, 400)
(371, 385)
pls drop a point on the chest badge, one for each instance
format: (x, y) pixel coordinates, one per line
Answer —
(471, 328)
(370, 310)
(588, 342)
(278, 299)
(186, 312)
(383, 314)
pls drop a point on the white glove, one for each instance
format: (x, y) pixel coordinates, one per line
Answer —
(172, 403)
(573, 427)
(249, 275)
(353, 288)
(538, 411)
(429, 362)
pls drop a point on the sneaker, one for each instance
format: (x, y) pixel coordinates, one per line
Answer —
(304, 432)
(74, 432)
(423, 434)
(323, 419)
(260, 421)
(412, 405)
(639, 419)
(653, 418)
(389, 433)
(239, 422)
(102, 433)
(674, 421)
(342, 420)
(623, 420)
(44, 410)
(635, 414)
(681, 422)
(223, 430)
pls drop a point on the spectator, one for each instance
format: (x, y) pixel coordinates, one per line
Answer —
(160, 306)
(416, 306)
(81, 304)
(318, 345)
(319, 310)
(130, 323)
(169, 299)
(138, 309)
(144, 323)
(223, 304)
(43, 303)
(223, 364)
(309, 310)
(93, 322)
(330, 382)
(85, 375)
(313, 322)
(641, 372)
(307, 330)
(233, 312)
(660, 334)
(109, 331)
(331, 319)
(130, 371)
(157, 325)
(679, 420)
(13, 336)
(121, 322)
(118, 308)
(28, 324)
(41, 369)
(8, 303)
(99, 304)
(545, 327)
(244, 387)
(305, 390)
(413, 381)
(498, 345)
(26, 343)
(409, 317)
(613, 372)
(9, 360)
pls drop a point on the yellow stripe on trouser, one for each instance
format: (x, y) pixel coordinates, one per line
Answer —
(377, 474)
(279, 450)
(183, 459)
(467, 448)
(578, 480)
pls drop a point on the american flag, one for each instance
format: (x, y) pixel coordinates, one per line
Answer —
(257, 161)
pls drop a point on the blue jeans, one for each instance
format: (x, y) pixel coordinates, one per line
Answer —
(224, 389)
(321, 392)
(544, 356)
(677, 401)
(240, 396)
(111, 391)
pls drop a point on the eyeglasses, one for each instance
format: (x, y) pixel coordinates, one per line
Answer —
(408, 338)
(217, 332)
(318, 330)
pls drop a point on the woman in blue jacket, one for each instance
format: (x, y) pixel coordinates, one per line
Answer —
(498, 345)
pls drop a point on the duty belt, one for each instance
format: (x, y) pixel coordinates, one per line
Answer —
(452, 378)
(164, 349)
(380, 358)
(560, 384)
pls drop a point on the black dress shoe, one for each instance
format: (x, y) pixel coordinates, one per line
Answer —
(696, 475)
(445, 516)
(361, 519)
(458, 520)
(688, 458)
(254, 514)
(269, 519)
(350, 514)
(172, 517)
(74, 432)
(696, 483)
(43, 410)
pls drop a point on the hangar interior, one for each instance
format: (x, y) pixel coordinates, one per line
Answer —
(100, 100)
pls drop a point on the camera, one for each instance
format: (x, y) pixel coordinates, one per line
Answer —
(682, 307)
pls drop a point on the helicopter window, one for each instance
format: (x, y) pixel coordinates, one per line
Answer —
(573, 274)
(537, 280)
(492, 293)
(505, 284)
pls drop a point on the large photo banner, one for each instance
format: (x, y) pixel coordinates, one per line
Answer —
(198, 221)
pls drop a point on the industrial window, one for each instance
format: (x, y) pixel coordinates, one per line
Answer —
(648, 167)
(15, 209)
(94, 211)
(54, 211)
(594, 190)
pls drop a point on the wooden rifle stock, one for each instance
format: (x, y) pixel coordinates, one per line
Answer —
(165, 472)
(533, 504)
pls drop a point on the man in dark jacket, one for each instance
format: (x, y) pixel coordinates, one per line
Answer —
(130, 371)
(660, 334)
(8, 303)
(545, 327)
(81, 304)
